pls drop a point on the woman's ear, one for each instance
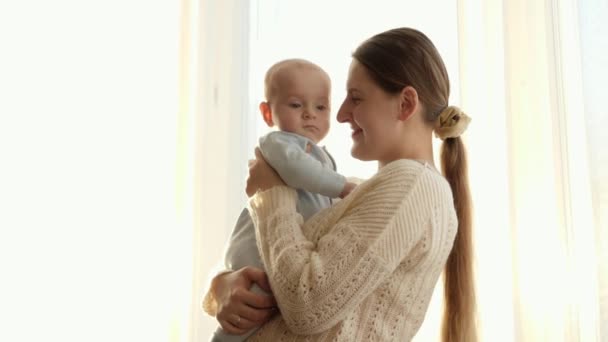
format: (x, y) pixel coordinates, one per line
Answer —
(409, 103)
(266, 113)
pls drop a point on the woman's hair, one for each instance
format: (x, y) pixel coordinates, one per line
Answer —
(405, 57)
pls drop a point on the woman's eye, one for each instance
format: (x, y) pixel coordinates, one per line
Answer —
(355, 100)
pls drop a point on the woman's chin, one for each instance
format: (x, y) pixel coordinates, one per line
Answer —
(357, 153)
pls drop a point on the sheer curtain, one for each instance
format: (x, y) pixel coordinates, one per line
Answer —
(89, 249)
(521, 78)
(528, 72)
(594, 48)
(217, 135)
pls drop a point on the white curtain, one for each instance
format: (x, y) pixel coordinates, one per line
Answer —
(216, 135)
(538, 267)
(594, 47)
(89, 248)
(528, 72)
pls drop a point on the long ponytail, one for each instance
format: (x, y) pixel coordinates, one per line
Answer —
(459, 317)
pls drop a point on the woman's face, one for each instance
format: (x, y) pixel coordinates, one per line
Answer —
(372, 114)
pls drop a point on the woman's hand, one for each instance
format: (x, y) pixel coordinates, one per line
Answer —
(261, 175)
(238, 308)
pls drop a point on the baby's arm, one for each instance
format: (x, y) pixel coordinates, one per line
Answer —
(286, 153)
(348, 187)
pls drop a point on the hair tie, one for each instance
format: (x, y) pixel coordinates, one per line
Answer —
(451, 123)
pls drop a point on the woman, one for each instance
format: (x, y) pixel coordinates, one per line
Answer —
(365, 268)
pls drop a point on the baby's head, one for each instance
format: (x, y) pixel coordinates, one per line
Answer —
(297, 98)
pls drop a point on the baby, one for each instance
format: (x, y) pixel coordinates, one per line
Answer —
(298, 102)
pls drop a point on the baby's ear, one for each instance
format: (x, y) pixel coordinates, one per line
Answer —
(266, 113)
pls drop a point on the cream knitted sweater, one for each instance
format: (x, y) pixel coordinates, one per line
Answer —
(363, 269)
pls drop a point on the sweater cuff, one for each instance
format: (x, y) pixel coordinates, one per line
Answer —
(209, 300)
(278, 198)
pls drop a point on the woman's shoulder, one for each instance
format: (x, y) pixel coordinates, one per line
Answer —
(404, 188)
(403, 175)
(402, 167)
(409, 170)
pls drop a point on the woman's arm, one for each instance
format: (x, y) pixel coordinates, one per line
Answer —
(317, 283)
(229, 297)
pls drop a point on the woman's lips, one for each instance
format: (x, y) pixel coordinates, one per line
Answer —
(356, 133)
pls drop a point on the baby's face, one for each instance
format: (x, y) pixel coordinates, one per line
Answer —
(301, 102)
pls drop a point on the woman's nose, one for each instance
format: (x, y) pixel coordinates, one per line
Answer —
(343, 114)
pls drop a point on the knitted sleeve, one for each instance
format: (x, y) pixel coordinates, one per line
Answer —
(317, 283)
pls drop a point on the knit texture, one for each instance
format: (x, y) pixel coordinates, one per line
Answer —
(363, 269)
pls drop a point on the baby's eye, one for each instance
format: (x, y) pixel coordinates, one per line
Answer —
(295, 105)
(321, 107)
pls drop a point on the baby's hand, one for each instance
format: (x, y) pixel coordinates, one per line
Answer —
(348, 187)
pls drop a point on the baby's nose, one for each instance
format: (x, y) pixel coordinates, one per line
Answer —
(309, 113)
